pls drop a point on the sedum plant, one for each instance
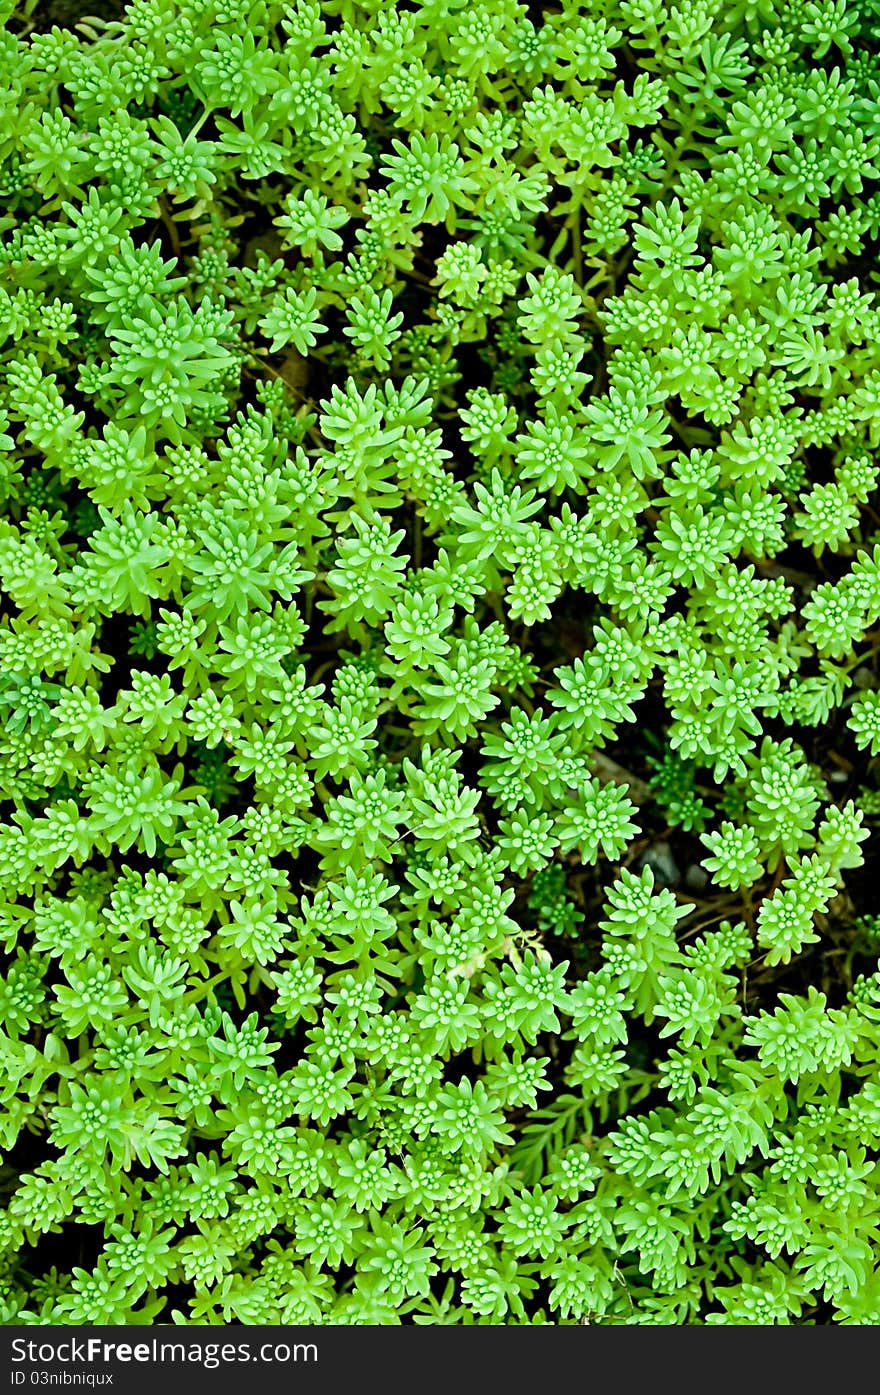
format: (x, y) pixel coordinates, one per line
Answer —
(438, 468)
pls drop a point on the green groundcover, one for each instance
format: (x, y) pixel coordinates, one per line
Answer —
(439, 635)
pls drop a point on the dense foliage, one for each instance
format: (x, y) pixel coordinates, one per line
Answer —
(438, 661)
